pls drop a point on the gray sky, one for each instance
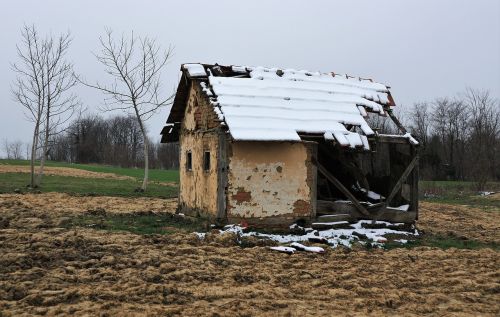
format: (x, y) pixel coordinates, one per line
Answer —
(423, 49)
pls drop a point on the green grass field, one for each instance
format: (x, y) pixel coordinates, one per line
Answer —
(443, 242)
(93, 186)
(141, 223)
(460, 193)
(154, 175)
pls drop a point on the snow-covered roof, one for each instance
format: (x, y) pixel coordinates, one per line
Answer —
(271, 104)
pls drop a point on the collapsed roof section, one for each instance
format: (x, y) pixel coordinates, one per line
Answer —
(272, 104)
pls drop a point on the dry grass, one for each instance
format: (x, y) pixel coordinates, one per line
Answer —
(74, 172)
(63, 171)
(58, 204)
(48, 270)
(460, 221)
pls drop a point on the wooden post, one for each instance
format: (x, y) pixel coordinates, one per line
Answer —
(414, 190)
(222, 166)
(401, 180)
(396, 121)
(313, 150)
(342, 188)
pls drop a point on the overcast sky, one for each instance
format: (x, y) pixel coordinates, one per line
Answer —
(422, 49)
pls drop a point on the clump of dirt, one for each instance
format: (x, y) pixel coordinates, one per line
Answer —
(460, 221)
(63, 171)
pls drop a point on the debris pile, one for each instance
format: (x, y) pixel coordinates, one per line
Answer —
(364, 232)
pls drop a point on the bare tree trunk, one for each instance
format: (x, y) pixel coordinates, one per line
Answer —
(146, 148)
(45, 141)
(146, 162)
(44, 154)
(34, 146)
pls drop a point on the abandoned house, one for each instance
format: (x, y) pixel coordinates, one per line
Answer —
(270, 147)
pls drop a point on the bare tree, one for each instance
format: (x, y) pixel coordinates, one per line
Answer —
(6, 148)
(44, 79)
(484, 122)
(420, 123)
(29, 88)
(15, 149)
(135, 64)
(60, 103)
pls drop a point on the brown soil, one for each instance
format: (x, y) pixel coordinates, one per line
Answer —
(45, 270)
(63, 171)
(460, 221)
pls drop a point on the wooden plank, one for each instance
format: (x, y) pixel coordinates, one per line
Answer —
(222, 166)
(342, 188)
(384, 138)
(383, 214)
(401, 180)
(414, 190)
(334, 217)
(330, 225)
(313, 146)
(392, 215)
(326, 207)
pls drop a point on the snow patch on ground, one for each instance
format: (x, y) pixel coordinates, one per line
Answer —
(486, 193)
(333, 237)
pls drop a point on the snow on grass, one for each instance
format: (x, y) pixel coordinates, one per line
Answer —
(486, 193)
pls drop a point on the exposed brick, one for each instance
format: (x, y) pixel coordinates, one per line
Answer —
(241, 196)
(301, 207)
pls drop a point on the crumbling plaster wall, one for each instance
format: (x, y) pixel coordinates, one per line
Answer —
(198, 188)
(271, 181)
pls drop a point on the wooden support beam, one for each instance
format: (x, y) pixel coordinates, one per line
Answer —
(414, 190)
(342, 188)
(401, 180)
(396, 121)
(222, 180)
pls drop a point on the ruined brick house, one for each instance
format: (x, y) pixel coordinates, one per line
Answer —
(269, 147)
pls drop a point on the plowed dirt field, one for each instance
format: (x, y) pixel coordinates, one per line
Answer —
(48, 269)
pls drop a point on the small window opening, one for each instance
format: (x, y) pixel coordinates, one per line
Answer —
(189, 161)
(206, 161)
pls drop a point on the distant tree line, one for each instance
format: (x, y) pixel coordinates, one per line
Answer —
(114, 141)
(14, 150)
(459, 136)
